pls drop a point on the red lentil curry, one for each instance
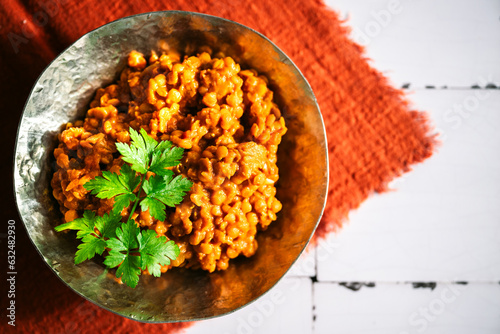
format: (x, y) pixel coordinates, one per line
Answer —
(230, 128)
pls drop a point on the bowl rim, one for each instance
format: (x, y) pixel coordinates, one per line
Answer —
(148, 15)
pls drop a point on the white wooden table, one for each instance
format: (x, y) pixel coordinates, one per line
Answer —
(441, 226)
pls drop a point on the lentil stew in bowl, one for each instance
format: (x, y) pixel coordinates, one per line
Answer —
(68, 86)
(227, 122)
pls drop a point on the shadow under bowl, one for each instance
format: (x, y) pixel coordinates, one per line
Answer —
(62, 94)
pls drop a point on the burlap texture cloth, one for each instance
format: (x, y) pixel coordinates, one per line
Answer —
(373, 135)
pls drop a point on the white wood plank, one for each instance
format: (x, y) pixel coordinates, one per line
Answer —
(443, 221)
(286, 309)
(428, 42)
(401, 309)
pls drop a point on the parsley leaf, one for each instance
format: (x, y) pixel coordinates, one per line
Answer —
(89, 247)
(146, 154)
(133, 251)
(164, 145)
(120, 254)
(163, 158)
(156, 251)
(128, 178)
(107, 224)
(155, 207)
(120, 186)
(167, 190)
(150, 143)
(106, 186)
(84, 225)
(123, 201)
(92, 242)
(138, 154)
(163, 191)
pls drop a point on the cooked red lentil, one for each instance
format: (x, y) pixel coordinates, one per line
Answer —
(230, 128)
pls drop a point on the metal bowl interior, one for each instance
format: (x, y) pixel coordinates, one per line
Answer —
(62, 94)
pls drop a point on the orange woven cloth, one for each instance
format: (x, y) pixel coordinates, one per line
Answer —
(373, 136)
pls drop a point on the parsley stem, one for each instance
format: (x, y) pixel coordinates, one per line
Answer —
(137, 200)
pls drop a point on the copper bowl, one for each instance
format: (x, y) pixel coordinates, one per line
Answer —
(62, 94)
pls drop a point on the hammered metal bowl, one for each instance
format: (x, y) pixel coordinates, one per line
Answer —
(63, 93)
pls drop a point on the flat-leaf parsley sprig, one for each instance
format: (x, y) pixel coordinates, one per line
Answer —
(131, 249)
